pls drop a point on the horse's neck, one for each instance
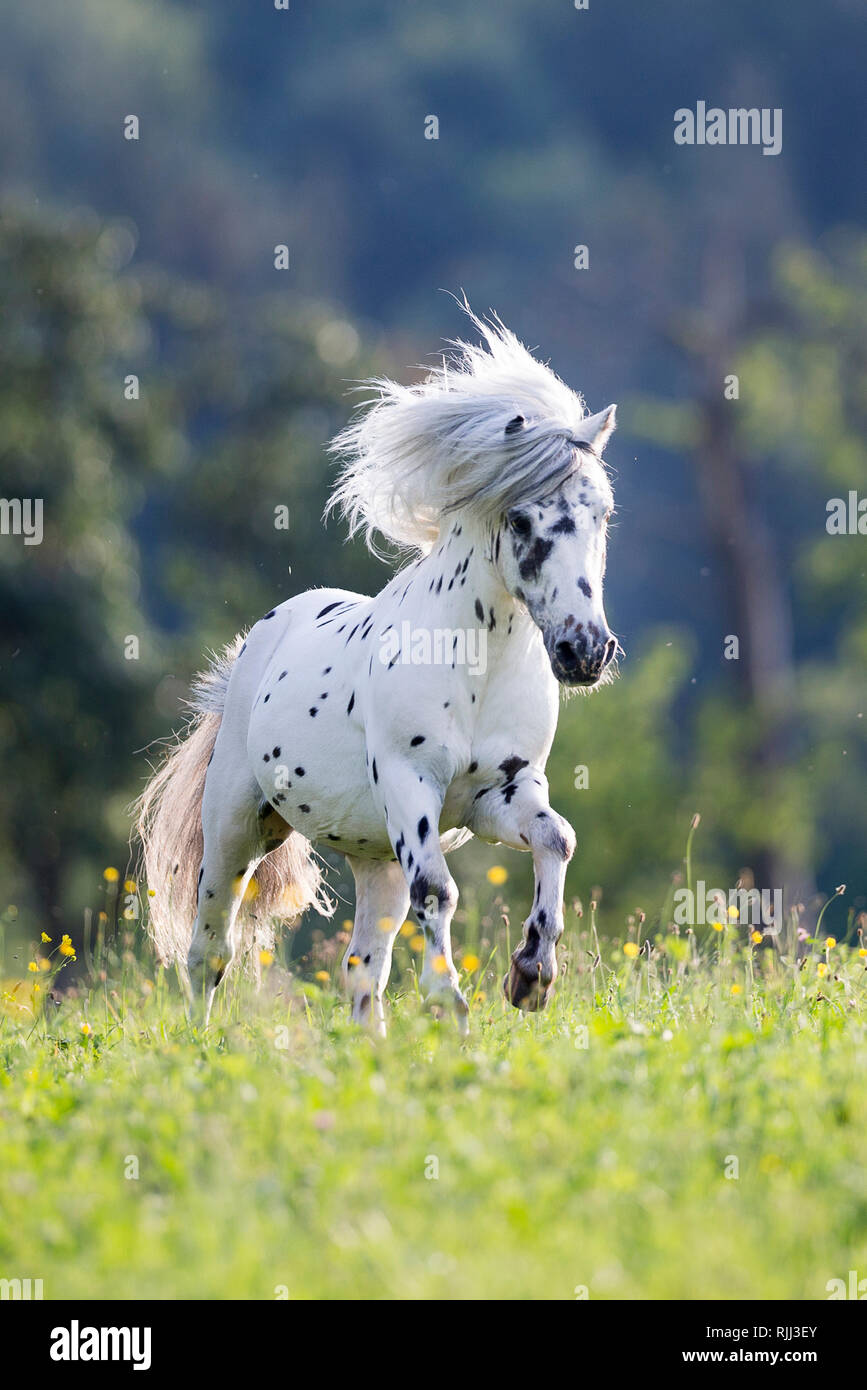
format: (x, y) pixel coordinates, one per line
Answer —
(459, 586)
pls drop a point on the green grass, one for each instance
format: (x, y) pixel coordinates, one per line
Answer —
(560, 1165)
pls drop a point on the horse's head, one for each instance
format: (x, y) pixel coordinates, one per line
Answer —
(553, 559)
(495, 437)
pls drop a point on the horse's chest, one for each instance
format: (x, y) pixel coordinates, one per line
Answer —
(307, 750)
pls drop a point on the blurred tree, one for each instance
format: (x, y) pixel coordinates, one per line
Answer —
(805, 421)
(767, 463)
(74, 320)
(239, 528)
(164, 431)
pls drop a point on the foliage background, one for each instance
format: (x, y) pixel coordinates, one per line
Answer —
(306, 127)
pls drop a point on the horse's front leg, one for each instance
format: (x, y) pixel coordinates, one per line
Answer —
(381, 904)
(412, 804)
(519, 814)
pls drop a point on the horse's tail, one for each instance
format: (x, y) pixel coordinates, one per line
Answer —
(168, 825)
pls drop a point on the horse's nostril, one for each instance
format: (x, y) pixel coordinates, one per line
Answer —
(566, 655)
(610, 649)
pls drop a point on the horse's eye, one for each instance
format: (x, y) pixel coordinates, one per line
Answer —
(520, 524)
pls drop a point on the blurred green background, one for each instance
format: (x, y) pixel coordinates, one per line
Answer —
(305, 127)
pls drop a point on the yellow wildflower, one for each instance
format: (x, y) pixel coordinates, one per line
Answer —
(266, 958)
(755, 937)
(736, 989)
(497, 875)
(110, 875)
(86, 1029)
(417, 943)
(830, 943)
(130, 886)
(439, 965)
(408, 929)
(630, 949)
(66, 947)
(33, 967)
(322, 976)
(45, 937)
(386, 924)
(470, 962)
(821, 969)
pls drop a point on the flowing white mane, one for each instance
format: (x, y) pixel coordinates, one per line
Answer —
(416, 453)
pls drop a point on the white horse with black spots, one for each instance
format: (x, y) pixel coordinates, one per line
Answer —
(359, 723)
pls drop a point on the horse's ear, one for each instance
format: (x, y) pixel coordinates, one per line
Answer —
(515, 424)
(596, 430)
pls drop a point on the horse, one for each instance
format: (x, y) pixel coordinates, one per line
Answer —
(319, 727)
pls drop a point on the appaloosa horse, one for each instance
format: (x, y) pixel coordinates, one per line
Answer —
(362, 725)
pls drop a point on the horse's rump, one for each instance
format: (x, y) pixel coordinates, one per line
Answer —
(169, 829)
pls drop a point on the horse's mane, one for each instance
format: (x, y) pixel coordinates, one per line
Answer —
(413, 454)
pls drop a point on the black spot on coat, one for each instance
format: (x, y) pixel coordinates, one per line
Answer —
(512, 766)
(535, 558)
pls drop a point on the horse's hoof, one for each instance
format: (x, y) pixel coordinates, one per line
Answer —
(439, 1002)
(526, 991)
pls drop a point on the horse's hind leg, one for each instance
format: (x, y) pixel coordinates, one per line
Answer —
(381, 904)
(233, 846)
(412, 820)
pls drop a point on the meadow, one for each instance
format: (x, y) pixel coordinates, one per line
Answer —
(686, 1120)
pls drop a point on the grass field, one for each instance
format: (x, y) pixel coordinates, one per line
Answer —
(685, 1122)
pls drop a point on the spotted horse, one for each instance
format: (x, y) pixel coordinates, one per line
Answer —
(315, 729)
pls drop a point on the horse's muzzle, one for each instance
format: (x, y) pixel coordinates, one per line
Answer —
(581, 660)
